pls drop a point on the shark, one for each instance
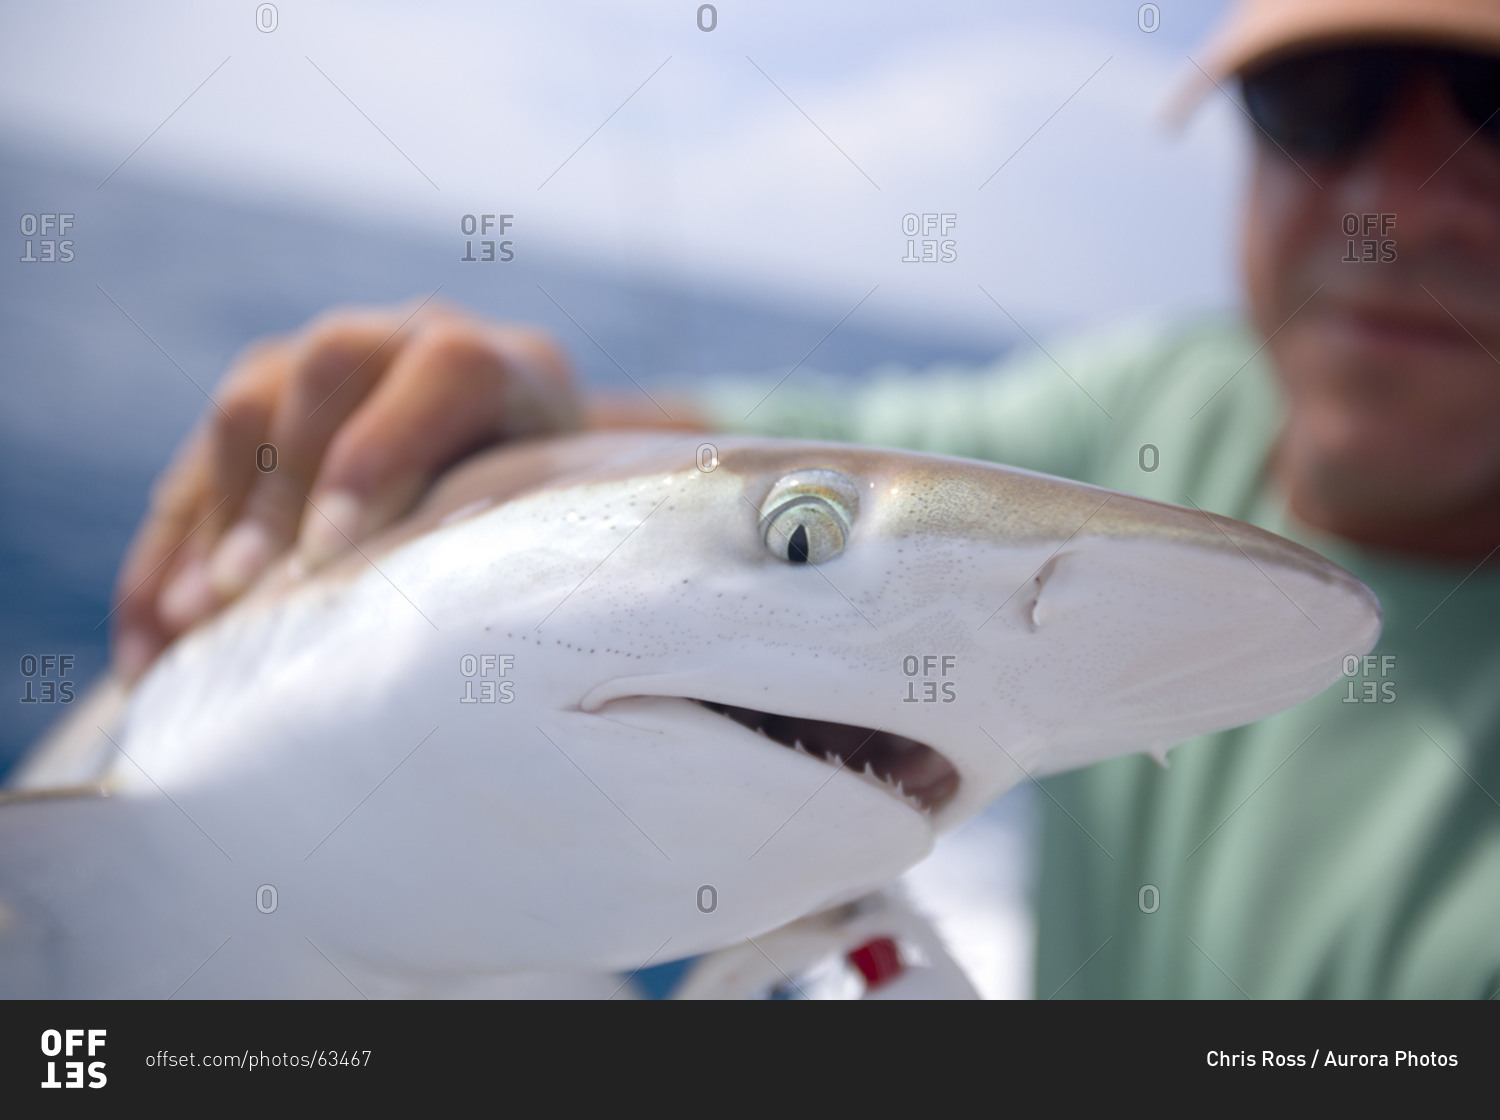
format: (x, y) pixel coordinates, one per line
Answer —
(621, 697)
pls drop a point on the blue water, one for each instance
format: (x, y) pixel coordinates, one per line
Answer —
(92, 408)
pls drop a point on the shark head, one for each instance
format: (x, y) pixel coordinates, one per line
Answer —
(1000, 623)
(627, 697)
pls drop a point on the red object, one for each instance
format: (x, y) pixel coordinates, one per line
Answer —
(879, 961)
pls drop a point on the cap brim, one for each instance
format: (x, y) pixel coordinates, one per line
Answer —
(1257, 33)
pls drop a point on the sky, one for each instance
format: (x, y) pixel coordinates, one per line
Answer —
(787, 150)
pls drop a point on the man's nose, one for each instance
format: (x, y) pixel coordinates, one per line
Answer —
(1428, 168)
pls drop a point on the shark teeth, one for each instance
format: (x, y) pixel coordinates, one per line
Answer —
(910, 771)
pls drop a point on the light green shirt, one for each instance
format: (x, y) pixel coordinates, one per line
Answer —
(1348, 847)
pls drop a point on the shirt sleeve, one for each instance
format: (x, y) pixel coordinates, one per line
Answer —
(1044, 410)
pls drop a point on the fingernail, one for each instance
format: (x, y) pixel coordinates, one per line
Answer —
(188, 597)
(329, 527)
(241, 555)
(132, 653)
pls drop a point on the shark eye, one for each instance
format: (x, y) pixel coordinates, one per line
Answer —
(807, 516)
(805, 531)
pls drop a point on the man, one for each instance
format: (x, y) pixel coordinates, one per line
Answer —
(1349, 847)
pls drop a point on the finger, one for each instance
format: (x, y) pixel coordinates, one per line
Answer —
(236, 429)
(177, 508)
(332, 368)
(457, 386)
(242, 427)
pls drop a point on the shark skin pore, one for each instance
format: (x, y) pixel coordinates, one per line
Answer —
(580, 710)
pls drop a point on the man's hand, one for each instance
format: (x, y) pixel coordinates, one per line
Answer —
(362, 408)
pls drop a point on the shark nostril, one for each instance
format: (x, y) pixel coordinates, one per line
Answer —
(1031, 610)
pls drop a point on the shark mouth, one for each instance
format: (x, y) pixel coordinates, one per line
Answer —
(910, 770)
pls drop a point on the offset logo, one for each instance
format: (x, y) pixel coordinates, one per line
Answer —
(926, 678)
(66, 1044)
(45, 678)
(53, 230)
(934, 248)
(488, 672)
(1376, 246)
(490, 249)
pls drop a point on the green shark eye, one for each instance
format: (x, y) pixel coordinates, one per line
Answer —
(807, 516)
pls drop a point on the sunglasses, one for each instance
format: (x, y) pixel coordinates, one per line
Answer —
(1329, 104)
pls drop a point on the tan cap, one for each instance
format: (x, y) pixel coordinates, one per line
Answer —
(1257, 31)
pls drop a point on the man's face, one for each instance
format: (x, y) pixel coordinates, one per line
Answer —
(1391, 367)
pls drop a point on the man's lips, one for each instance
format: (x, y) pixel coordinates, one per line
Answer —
(1399, 330)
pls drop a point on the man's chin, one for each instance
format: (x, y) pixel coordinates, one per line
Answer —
(1384, 455)
(1417, 425)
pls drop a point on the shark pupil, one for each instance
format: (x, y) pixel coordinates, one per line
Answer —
(796, 547)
